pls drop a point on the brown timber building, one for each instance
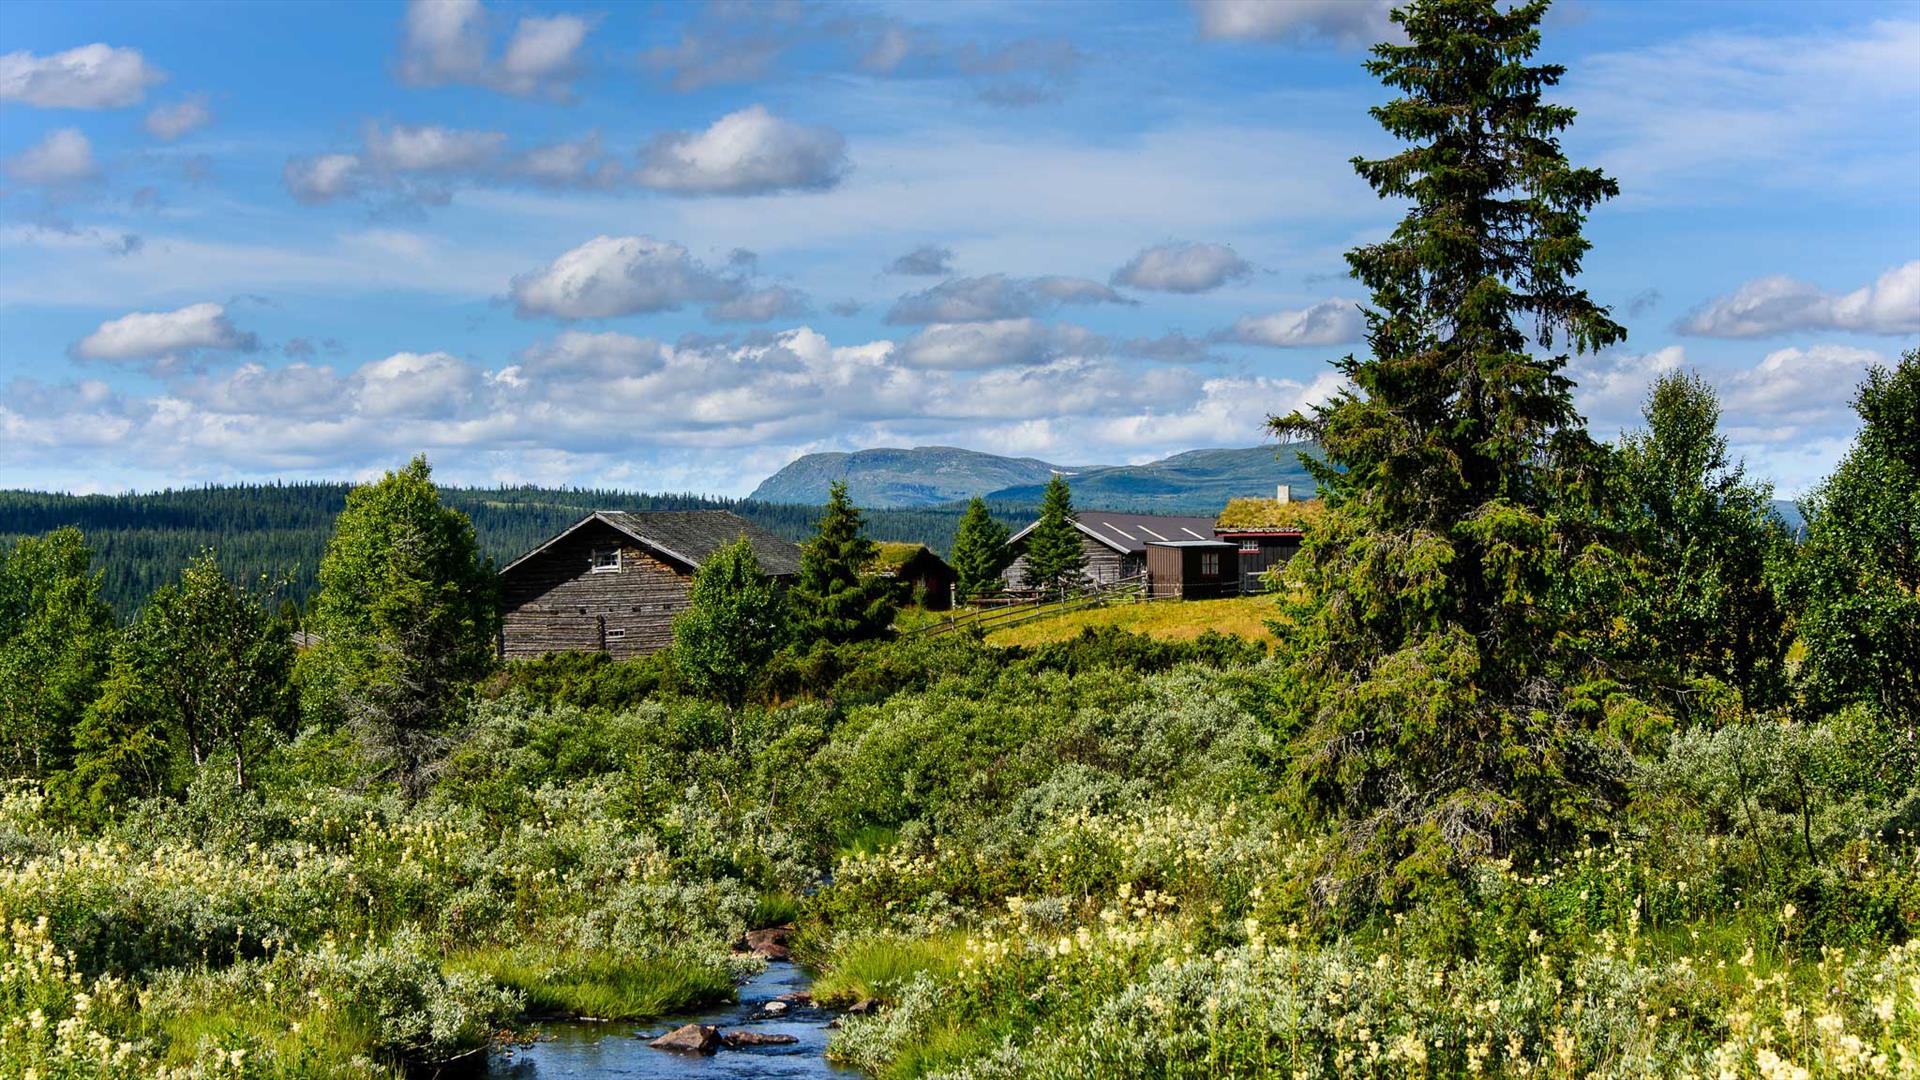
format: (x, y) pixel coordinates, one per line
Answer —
(614, 581)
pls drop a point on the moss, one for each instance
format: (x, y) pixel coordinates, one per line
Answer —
(1270, 514)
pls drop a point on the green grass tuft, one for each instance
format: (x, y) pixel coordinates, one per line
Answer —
(875, 967)
(601, 985)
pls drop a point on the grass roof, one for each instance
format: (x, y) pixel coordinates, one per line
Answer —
(1269, 514)
(893, 555)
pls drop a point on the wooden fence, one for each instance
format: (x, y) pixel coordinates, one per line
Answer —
(1012, 612)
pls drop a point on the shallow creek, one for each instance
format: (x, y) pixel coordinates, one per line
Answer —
(616, 1050)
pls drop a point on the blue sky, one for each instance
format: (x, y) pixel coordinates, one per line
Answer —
(670, 247)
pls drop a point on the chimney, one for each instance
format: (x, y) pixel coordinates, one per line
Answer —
(1283, 494)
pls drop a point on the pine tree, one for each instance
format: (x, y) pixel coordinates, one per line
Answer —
(835, 600)
(979, 553)
(406, 616)
(736, 621)
(1055, 557)
(1445, 589)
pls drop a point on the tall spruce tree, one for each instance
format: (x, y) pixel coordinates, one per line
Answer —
(406, 618)
(1055, 557)
(1444, 599)
(835, 600)
(979, 553)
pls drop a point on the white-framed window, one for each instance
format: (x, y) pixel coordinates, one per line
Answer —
(1250, 544)
(1209, 564)
(616, 633)
(606, 560)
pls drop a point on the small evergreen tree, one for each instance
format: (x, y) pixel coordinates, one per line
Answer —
(736, 622)
(979, 553)
(406, 619)
(835, 600)
(1055, 557)
(1857, 584)
(55, 636)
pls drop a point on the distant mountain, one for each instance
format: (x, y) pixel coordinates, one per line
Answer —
(889, 478)
(1196, 482)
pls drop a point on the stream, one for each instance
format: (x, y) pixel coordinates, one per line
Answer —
(615, 1049)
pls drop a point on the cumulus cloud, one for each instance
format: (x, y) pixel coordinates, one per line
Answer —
(1330, 322)
(429, 148)
(1346, 22)
(997, 297)
(169, 122)
(927, 260)
(165, 336)
(63, 157)
(619, 275)
(1780, 304)
(450, 41)
(760, 305)
(567, 163)
(93, 76)
(1610, 387)
(1183, 268)
(322, 178)
(749, 152)
(1796, 390)
(999, 343)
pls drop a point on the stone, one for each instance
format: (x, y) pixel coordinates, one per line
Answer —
(770, 943)
(689, 1039)
(797, 998)
(774, 1008)
(864, 1006)
(738, 1039)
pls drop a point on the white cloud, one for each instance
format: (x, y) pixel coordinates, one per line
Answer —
(760, 305)
(450, 41)
(1780, 304)
(169, 122)
(1611, 387)
(323, 178)
(997, 297)
(93, 76)
(1330, 322)
(420, 386)
(1348, 22)
(429, 148)
(155, 335)
(619, 275)
(749, 152)
(1183, 268)
(1000, 343)
(1797, 390)
(568, 163)
(927, 260)
(63, 157)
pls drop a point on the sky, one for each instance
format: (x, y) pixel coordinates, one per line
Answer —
(670, 247)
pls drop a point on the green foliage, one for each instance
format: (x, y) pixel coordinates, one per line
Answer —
(736, 622)
(603, 985)
(1453, 580)
(1709, 546)
(587, 679)
(979, 553)
(834, 599)
(1857, 586)
(55, 634)
(1055, 557)
(205, 670)
(406, 619)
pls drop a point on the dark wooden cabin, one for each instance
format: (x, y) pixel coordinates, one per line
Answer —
(1193, 569)
(927, 576)
(1268, 532)
(614, 581)
(1116, 544)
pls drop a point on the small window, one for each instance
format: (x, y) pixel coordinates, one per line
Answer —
(1250, 543)
(1209, 564)
(606, 560)
(616, 634)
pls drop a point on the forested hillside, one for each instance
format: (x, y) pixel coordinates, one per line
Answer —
(141, 541)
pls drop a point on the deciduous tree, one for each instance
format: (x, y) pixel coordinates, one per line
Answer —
(736, 622)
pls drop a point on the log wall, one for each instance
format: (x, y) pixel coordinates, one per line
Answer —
(554, 602)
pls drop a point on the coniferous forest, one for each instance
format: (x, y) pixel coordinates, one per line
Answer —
(1564, 759)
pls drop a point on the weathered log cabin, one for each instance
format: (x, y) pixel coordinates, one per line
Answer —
(614, 581)
(1193, 570)
(1116, 544)
(928, 579)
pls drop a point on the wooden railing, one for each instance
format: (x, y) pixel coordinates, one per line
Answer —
(1012, 611)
